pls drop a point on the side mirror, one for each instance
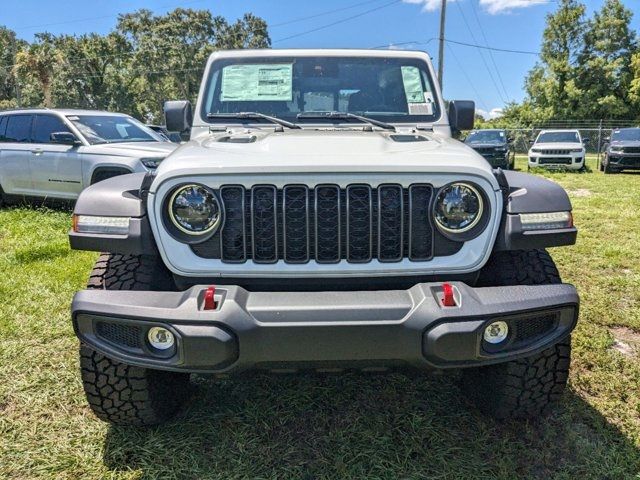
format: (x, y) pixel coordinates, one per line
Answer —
(462, 114)
(606, 139)
(510, 139)
(585, 140)
(178, 115)
(531, 141)
(64, 138)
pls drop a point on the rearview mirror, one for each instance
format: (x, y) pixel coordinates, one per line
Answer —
(64, 138)
(462, 114)
(178, 115)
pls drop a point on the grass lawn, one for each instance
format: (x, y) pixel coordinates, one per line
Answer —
(348, 426)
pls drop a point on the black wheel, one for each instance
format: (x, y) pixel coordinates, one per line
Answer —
(124, 394)
(522, 388)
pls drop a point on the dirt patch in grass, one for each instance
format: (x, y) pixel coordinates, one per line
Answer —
(625, 341)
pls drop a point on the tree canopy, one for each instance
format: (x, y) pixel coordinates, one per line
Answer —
(144, 61)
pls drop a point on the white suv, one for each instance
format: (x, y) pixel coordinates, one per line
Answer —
(57, 153)
(558, 149)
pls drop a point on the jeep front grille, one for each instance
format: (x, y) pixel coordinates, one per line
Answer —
(325, 224)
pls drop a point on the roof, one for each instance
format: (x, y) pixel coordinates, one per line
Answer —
(62, 111)
(319, 52)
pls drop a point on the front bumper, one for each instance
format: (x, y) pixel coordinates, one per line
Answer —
(574, 161)
(624, 161)
(324, 330)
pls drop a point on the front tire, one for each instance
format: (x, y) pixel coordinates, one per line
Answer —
(526, 387)
(124, 394)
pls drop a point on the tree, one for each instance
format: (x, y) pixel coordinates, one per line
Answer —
(35, 66)
(604, 73)
(9, 47)
(170, 51)
(551, 84)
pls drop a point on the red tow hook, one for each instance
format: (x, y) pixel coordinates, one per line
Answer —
(448, 299)
(210, 298)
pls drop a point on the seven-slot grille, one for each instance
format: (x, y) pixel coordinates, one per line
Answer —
(325, 224)
(556, 152)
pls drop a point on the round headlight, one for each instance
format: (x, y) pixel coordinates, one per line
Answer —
(194, 210)
(458, 208)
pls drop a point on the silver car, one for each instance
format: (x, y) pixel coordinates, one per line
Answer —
(55, 154)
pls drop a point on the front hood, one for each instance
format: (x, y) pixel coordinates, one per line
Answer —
(625, 143)
(133, 149)
(321, 151)
(485, 145)
(558, 145)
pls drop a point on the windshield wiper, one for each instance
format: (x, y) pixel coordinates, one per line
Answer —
(254, 115)
(346, 115)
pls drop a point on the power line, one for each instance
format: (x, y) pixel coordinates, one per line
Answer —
(464, 73)
(484, 60)
(322, 27)
(486, 42)
(322, 14)
(30, 27)
(466, 44)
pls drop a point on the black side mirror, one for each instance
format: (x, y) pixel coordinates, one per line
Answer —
(510, 139)
(531, 141)
(606, 139)
(178, 115)
(64, 138)
(585, 140)
(462, 114)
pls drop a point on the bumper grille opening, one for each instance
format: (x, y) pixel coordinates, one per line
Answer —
(128, 336)
(524, 330)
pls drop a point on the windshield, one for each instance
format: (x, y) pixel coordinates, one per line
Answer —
(386, 89)
(486, 136)
(558, 137)
(627, 134)
(113, 129)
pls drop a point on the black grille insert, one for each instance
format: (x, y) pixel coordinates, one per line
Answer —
(326, 224)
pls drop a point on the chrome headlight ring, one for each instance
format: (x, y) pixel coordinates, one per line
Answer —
(192, 213)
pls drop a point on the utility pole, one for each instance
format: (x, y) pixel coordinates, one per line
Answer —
(443, 12)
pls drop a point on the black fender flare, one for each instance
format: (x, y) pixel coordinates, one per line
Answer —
(121, 196)
(526, 193)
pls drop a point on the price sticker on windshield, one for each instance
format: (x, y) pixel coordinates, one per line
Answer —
(250, 83)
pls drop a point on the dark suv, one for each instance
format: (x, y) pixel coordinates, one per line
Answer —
(494, 146)
(622, 151)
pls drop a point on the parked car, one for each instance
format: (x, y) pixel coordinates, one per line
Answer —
(622, 151)
(166, 134)
(55, 153)
(494, 145)
(322, 218)
(558, 149)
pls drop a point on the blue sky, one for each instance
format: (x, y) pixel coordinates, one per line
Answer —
(510, 24)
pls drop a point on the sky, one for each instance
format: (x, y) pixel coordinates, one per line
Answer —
(490, 78)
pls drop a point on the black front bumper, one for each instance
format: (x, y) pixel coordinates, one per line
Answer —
(324, 330)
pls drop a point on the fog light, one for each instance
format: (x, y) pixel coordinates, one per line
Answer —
(160, 338)
(496, 332)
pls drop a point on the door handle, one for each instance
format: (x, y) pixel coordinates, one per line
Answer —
(37, 151)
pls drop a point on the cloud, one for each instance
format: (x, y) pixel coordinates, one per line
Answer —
(490, 115)
(428, 5)
(505, 6)
(492, 6)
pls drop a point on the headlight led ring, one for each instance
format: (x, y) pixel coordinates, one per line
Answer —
(194, 210)
(457, 189)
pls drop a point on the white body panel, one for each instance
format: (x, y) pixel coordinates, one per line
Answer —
(50, 170)
(314, 155)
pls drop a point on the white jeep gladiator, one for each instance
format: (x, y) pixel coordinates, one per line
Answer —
(322, 218)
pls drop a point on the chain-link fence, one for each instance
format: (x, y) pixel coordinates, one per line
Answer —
(595, 131)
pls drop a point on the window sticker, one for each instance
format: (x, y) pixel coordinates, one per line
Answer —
(412, 84)
(250, 83)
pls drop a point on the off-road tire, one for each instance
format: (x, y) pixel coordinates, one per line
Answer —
(130, 272)
(522, 388)
(124, 394)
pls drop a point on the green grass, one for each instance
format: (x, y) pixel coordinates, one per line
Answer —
(299, 427)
